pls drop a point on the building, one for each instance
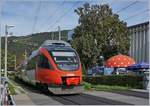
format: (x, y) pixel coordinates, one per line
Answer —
(139, 48)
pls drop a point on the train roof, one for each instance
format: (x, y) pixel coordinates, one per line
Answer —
(34, 53)
(52, 45)
(59, 48)
(55, 43)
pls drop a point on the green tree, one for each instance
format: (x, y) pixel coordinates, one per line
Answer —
(10, 61)
(100, 32)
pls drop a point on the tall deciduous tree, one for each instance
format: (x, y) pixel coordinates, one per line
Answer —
(100, 32)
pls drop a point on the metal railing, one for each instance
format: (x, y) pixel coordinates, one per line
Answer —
(6, 98)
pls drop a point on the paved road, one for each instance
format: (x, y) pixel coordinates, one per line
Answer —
(134, 93)
(120, 97)
(46, 98)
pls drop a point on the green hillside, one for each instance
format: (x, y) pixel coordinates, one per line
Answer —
(18, 45)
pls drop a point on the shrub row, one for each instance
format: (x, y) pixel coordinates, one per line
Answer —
(118, 80)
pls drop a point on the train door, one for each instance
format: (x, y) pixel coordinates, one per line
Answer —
(43, 69)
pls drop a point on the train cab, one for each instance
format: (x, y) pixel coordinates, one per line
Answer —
(57, 66)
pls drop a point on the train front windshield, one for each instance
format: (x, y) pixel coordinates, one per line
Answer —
(66, 60)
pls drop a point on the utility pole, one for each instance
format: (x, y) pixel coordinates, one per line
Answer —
(25, 54)
(59, 32)
(15, 61)
(1, 101)
(0, 52)
(6, 33)
(0, 41)
(52, 35)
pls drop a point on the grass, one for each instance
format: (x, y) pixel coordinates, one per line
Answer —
(88, 86)
(13, 86)
(109, 88)
(11, 89)
(16, 86)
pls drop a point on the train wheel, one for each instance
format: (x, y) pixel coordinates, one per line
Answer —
(43, 87)
(38, 85)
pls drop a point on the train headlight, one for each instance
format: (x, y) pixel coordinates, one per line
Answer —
(70, 74)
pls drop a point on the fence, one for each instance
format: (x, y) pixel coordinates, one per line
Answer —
(6, 98)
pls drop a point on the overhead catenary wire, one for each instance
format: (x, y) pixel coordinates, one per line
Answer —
(61, 17)
(36, 17)
(105, 2)
(113, 1)
(136, 14)
(65, 13)
(101, 2)
(53, 14)
(124, 8)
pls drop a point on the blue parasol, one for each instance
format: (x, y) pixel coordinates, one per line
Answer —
(141, 65)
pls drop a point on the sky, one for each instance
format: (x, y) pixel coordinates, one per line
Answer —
(49, 14)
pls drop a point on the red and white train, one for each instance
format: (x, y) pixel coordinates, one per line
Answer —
(56, 66)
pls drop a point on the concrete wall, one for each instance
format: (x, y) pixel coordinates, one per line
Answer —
(139, 48)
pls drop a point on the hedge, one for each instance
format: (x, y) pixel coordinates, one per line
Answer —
(118, 80)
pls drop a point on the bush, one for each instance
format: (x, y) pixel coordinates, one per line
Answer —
(118, 80)
(87, 86)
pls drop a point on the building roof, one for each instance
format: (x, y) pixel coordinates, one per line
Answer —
(140, 24)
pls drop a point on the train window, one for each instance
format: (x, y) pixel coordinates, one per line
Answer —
(66, 60)
(44, 63)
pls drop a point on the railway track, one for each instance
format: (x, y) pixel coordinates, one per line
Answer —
(44, 98)
(85, 99)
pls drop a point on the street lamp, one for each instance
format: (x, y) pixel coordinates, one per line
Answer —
(6, 33)
(101, 59)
